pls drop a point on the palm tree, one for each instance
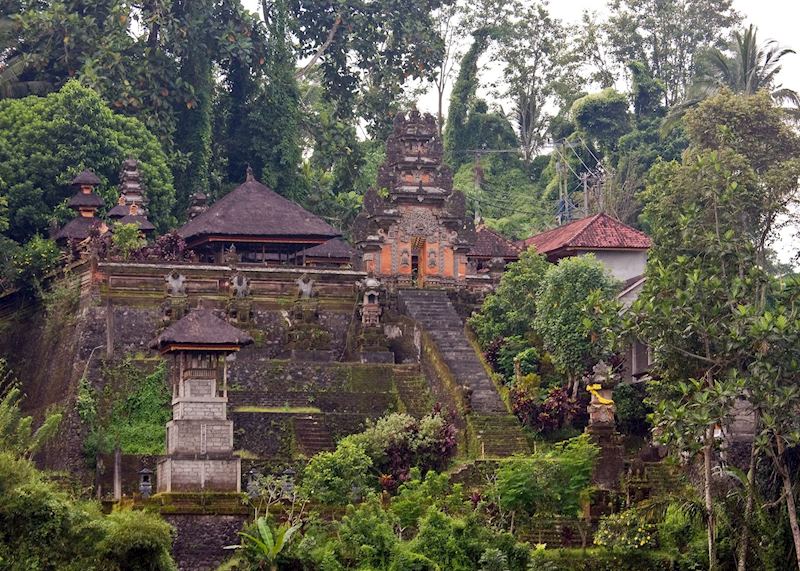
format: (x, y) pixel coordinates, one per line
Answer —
(751, 68)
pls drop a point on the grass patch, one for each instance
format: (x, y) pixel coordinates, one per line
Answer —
(279, 409)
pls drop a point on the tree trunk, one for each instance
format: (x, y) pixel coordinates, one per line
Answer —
(440, 116)
(709, 500)
(744, 541)
(788, 492)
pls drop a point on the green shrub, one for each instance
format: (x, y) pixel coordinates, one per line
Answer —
(599, 560)
(31, 262)
(555, 482)
(41, 527)
(631, 408)
(126, 239)
(409, 561)
(337, 477)
(132, 411)
(366, 536)
(135, 541)
(625, 532)
(415, 496)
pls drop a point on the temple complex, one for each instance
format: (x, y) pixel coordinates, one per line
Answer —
(254, 224)
(413, 229)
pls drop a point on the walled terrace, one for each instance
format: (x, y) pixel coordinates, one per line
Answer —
(289, 396)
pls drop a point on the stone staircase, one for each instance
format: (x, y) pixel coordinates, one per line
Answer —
(413, 391)
(432, 309)
(491, 430)
(312, 436)
(497, 435)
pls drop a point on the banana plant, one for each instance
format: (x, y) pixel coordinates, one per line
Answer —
(266, 544)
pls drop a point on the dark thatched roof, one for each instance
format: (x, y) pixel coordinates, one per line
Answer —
(334, 248)
(201, 328)
(119, 211)
(85, 178)
(78, 228)
(82, 200)
(252, 209)
(490, 244)
(144, 224)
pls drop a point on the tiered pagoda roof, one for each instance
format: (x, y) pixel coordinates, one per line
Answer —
(598, 232)
(254, 213)
(132, 205)
(86, 203)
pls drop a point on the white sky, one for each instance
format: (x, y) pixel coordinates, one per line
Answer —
(775, 19)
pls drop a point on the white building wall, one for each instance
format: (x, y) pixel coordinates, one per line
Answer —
(623, 264)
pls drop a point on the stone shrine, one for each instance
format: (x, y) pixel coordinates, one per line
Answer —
(200, 436)
(413, 229)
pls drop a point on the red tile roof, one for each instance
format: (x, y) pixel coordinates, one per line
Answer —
(596, 232)
(490, 244)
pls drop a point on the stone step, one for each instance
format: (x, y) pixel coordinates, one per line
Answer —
(414, 393)
(312, 436)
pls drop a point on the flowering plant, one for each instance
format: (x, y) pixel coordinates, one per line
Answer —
(625, 531)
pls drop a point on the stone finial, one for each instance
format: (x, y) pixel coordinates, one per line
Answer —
(249, 176)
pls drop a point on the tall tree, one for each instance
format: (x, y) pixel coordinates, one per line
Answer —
(666, 35)
(536, 67)
(193, 136)
(274, 130)
(711, 218)
(446, 18)
(350, 40)
(462, 100)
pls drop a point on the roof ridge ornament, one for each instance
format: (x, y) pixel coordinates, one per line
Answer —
(249, 176)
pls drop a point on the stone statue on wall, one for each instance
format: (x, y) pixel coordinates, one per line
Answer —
(432, 259)
(231, 257)
(176, 284)
(240, 286)
(305, 287)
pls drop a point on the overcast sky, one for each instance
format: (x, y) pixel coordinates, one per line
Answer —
(775, 19)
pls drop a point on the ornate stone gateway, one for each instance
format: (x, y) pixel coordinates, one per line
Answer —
(413, 229)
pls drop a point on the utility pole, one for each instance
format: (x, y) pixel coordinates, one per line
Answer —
(585, 181)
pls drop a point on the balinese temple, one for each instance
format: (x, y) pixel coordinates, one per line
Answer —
(335, 253)
(256, 225)
(132, 205)
(412, 229)
(200, 435)
(86, 203)
(490, 251)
